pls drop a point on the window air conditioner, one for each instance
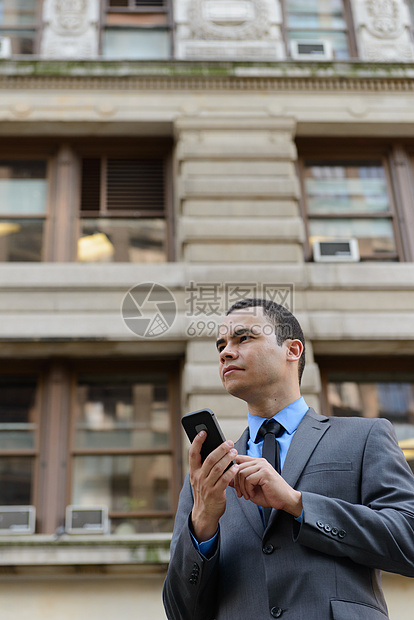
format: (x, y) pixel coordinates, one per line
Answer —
(5, 47)
(17, 520)
(336, 251)
(87, 520)
(311, 50)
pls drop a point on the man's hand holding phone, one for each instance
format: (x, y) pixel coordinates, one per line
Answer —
(209, 481)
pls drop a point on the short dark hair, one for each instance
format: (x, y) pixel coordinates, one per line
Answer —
(286, 325)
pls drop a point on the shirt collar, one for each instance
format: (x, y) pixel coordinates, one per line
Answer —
(289, 417)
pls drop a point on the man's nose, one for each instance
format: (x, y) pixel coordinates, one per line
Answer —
(228, 352)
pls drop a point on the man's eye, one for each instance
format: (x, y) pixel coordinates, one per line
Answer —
(242, 338)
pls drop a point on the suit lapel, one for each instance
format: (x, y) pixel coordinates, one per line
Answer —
(309, 433)
(250, 509)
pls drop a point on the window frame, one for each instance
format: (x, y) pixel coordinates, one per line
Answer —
(361, 364)
(36, 28)
(55, 411)
(166, 10)
(17, 155)
(341, 150)
(349, 31)
(132, 149)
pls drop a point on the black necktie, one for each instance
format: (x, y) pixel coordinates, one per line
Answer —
(269, 431)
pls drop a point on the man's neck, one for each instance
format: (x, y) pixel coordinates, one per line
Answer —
(270, 407)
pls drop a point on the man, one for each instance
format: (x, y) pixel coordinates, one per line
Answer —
(342, 510)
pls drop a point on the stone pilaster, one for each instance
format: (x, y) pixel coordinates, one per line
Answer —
(383, 29)
(228, 29)
(237, 191)
(70, 29)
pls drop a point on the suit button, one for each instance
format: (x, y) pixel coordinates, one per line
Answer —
(327, 528)
(276, 612)
(341, 534)
(320, 524)
(268, 549)
(334, 531)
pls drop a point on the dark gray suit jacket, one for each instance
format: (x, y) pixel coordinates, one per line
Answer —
(358, 499)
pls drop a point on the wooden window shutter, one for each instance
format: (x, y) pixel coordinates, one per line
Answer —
(135, 185)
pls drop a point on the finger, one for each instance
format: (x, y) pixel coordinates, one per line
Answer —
(195, 448)
(218, 469)
(220, 454)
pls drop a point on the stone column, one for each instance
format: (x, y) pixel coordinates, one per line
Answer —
(383, 29)
(70, 29)
(228, 29)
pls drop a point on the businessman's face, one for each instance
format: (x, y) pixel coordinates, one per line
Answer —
(252, 365)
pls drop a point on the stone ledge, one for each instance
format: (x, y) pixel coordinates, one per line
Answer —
(84, 550)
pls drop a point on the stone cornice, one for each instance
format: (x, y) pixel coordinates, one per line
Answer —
(38, 74)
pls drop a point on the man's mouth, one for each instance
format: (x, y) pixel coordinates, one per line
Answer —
(230, 369)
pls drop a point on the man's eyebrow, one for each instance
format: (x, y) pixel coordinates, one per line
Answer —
(237, 332)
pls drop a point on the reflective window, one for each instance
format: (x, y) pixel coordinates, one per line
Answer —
(122, 449)
(137, 29)
(23, 205)
(318, 20)
(350, 199)
(18, 439)
(18, 26)
(123, 211)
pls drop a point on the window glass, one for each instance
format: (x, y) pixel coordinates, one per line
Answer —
(18, 430)
(350, 200)
(122, 240)
(346, 189)
(139, 44)
(377, 399)
(23, 187)
(317, 20)
(116, 414)
(21, 240)
(17, 413)
(374, 236)
(17, 24)
(18, 12)
(122, 456)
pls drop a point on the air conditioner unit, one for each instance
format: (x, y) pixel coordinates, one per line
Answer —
(5, 47)
(336, 251)
(311, 50)
(17, 520)
(87, 520)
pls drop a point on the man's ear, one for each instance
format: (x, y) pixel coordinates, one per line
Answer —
(294, 350)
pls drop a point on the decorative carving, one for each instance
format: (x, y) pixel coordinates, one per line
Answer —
(229, 19)
(384, 18)
(71, 16)
(70, 28)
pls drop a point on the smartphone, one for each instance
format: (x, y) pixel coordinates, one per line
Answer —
(204, 420)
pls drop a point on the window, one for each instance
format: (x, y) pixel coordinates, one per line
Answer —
(92, 434)
(123, 215)
(91, 201)
(321, 20)
(19, 439)
(137, 29)
(18, 21)
(368, 388)
(346, 196)
(23, 206)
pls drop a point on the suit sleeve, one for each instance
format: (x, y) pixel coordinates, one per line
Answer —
(190, 586)
(379, 531)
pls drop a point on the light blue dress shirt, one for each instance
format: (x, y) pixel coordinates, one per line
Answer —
(290, 417)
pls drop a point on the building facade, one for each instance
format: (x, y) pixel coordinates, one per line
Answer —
(159, 160)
